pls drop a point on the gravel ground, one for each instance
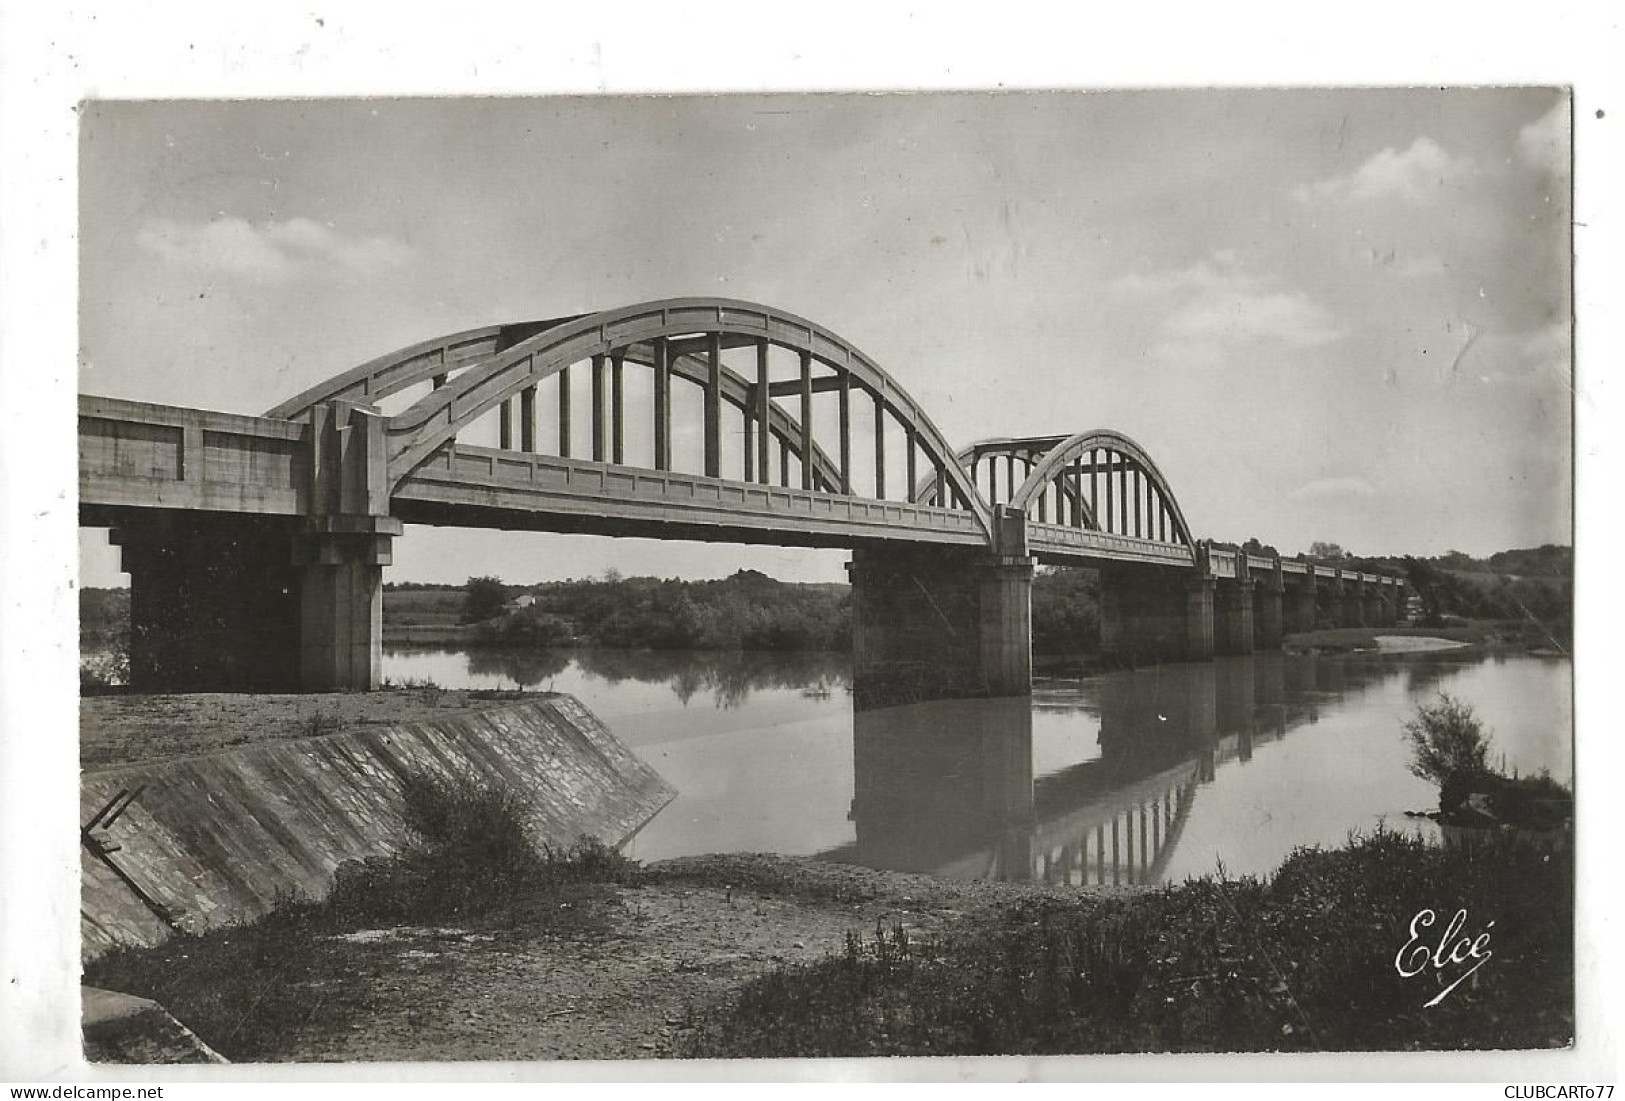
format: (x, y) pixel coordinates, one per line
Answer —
(702, 929)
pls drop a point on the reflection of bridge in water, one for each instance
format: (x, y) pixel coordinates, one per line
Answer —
(947, 788)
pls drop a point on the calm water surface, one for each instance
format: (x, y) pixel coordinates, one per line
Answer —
(1143, 776)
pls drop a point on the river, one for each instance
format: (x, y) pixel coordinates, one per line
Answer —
(1145, 776)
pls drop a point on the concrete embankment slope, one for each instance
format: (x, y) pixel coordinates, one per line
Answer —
(222, 837)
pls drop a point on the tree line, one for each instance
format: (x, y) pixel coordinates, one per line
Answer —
(747, 611)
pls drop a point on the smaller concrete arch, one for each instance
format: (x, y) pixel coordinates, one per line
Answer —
(1072, 451)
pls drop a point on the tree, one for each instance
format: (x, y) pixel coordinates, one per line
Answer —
(483, 598)
(1326, 551)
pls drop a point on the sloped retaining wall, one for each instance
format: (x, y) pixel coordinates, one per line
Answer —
(220, 838)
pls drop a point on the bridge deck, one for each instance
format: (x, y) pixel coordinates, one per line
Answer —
(142, 455)
(481, 487)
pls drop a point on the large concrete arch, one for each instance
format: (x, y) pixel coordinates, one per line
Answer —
(417, 432)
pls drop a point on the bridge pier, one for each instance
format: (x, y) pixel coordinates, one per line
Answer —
(1373, 606)
(227, 601)
(1335, 599)
(1267, 609)
(341, 610)
(214, 602)
(1354, 597)
(223, 602)
(939, 623)
(1151, 614)
(1305, 605)
(1233, 616)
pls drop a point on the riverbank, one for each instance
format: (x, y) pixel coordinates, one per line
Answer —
(757, 955)
(631, 973)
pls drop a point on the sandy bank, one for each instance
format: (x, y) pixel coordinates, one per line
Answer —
(1410, 644)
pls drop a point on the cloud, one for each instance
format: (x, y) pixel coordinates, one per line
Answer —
(270, 252)
(1218, 301)
(1333, 489)
(1290, 319)
(1415, 175)
(1544, 143)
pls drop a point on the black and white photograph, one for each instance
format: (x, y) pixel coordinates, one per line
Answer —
(793, 575)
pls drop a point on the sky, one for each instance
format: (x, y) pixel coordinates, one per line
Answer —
(1328, 315)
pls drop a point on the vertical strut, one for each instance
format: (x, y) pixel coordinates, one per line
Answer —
(846, 431)
(600, 410)
(505, 432)
(1135, 474)
(662, 404)
(564, 413)
(806, 420)
(784, 461)
(763, 411)
(527, 419)
(1110, 496)
(713, 406)
(1094, 488)
(617, 408)
(880, 447)
(908, 449)
(1122, 497)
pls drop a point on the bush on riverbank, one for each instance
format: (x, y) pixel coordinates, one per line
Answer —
(471, 871)
(1451, 749)
(1305, 960)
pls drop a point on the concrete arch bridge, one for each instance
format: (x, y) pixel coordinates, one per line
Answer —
(255, 544)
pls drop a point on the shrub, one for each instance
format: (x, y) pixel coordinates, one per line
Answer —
(1448, 745)
(474, 860)
(529, 627)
